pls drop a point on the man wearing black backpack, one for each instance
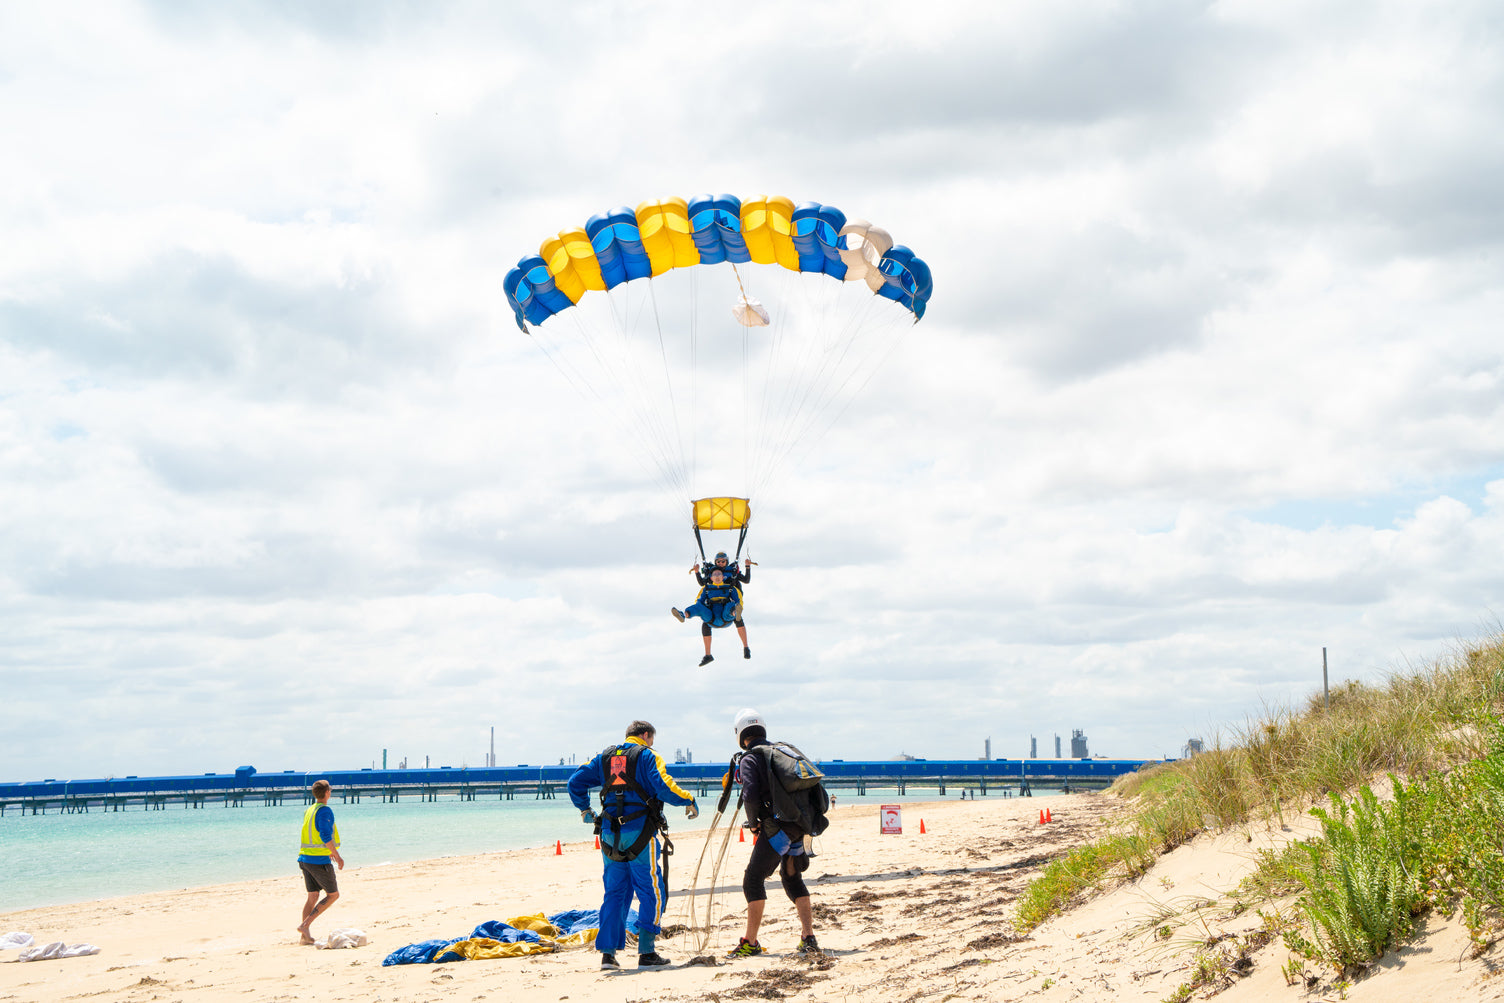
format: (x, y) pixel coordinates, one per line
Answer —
(634, 787)
(786, 807)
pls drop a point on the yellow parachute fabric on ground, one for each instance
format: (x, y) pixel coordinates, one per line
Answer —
(551, 939)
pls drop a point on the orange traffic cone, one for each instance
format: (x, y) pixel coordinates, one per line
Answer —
(1047, 816)
(558, 848)
(1041, 816)
(741, 835)
(921, 827)
(597, 842)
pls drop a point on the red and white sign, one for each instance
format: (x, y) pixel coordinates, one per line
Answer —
(891, 816)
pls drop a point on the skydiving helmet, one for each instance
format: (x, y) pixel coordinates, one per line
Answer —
(747, 718)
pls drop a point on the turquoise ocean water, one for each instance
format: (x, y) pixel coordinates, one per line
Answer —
(56, 858)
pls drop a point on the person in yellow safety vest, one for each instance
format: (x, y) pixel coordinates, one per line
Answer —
(320, 846)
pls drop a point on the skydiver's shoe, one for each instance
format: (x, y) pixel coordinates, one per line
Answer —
(746, 949)
(677, 615)
(808, 946)
(608, 962)
(654, 960)
(707, 659)
(746, 652)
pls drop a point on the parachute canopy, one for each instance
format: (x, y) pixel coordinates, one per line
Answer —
(722, 337)
(625, 244)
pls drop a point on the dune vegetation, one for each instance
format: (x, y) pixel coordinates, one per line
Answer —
(1430, 741)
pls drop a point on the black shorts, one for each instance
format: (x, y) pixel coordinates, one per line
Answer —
(319, 876)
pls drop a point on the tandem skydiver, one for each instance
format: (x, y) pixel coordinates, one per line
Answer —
(719, 604)
(733, 576)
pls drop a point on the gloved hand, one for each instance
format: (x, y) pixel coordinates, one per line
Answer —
(587, 816)
(691, 811)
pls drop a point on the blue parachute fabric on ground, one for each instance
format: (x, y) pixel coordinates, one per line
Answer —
(573, 921)
(570, 921)
(495, 929)
(417, 954)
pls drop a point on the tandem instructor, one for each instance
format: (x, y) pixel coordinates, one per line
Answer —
(318, 858)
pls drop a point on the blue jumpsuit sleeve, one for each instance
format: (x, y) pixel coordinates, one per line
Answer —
(660, 783)
(582, 781)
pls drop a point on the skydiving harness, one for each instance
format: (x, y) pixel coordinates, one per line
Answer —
(619, 766)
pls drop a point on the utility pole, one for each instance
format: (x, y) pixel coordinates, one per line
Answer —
(1326, 694)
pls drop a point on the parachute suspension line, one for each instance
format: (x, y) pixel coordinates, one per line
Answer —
(648, 438)
(822, 391)
(747, 426)
(780, 408)
(654, 430)
(647, 417)
(668, 381)
(702, 931)
(694, 380)
(766, 412)
(809, 433)
(839, 368)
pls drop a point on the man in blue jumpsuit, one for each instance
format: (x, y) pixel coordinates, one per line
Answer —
(634, 786)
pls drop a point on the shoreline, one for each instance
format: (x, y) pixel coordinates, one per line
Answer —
(86, 857)
(901, 917)
(227, 941)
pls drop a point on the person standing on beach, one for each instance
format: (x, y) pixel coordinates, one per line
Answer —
(779, 845)
(318, 858)
(634, 786)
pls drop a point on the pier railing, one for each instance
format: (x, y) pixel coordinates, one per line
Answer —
(999, 777)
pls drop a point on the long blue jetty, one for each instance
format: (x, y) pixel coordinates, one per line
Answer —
(1004, 777)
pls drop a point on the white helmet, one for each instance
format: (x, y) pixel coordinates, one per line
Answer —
(747, 718)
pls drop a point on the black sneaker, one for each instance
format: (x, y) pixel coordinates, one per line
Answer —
(654, 960)
(707, 659)
(746, 652)
(608, 961)
(746, 949)
(807, 945)
(677, 615)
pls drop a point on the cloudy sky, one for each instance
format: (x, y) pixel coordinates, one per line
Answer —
(1212, 378)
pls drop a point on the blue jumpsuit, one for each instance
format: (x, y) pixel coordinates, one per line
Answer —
(716, 604)
(644, 874)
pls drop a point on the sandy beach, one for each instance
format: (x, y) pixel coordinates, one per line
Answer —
(902, 917)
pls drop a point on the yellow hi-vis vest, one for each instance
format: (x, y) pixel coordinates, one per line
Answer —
(312, 845)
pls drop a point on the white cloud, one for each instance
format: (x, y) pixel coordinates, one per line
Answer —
(281, 483)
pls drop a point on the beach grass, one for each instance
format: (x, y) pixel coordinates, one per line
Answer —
(1430, 739)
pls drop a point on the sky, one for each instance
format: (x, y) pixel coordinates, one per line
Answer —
(1212, 378)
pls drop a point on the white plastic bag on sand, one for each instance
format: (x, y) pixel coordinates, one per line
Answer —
(14, 941)
(57, 949)
(343, 937)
